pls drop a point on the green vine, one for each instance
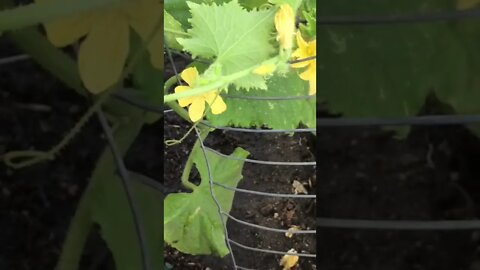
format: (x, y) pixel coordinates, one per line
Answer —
(32, 14)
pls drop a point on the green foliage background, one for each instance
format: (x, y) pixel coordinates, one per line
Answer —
(387, 70)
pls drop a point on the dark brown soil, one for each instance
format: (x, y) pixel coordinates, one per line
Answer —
(365, 173)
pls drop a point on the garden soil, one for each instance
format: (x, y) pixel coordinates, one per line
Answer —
(367, 173)
(265, 211)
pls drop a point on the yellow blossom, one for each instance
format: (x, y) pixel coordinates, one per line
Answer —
(307, 49)
(103, 53)
(197, 103)
(285, 25)
(289, 261)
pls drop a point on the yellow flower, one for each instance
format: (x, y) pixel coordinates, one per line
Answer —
(289, 261)
(307, 49)
(285, 25)
(104, 51)
(197, 103)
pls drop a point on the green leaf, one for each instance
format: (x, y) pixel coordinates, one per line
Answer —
(293, 3)
(108, 207)
(192, 223)
(147, 81)
(179, 9)
(32, 14)
(276, 114)
(310, 28)
(387, 71)
(236, 38)
(311, 4)
(251, 4)
(173, 29)
(112, 212)
(55, 61)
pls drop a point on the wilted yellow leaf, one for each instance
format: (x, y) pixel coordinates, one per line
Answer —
(298, 187)
(289, 261)
(290, 231)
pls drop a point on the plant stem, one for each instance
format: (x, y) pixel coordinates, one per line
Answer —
(80, 227)
(104, 171)
(188, 166)
(172, 104)
(221, 82)
(58, 63)
(169, 30)
(32, 14)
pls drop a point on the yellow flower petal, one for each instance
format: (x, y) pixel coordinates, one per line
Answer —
(103, 54)
(195, 111)
(216, 102)
(64, 32)
(310, 75)
(300, 41)
(285, 25)
(302, 63)
(190, 75)
(312, 86)
(304, 50)
(184, 102)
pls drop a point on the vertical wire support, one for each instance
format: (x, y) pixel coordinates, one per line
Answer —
(170, 59)
(125, 180)
(212, 193)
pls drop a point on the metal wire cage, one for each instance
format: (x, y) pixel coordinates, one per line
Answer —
(222, 214)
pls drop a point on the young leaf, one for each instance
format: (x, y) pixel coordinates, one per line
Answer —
(236, 38)
(310, 28)
(192, 223)
(173, 29)
(277, 114)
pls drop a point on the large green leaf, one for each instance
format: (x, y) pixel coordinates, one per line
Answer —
(179, 9)
(192, 223)
(277, 114)
(467, 97)
(110, 209)
(251, 4)
(293, 3)
(236, 38)
(400, 64)
(388, 70)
